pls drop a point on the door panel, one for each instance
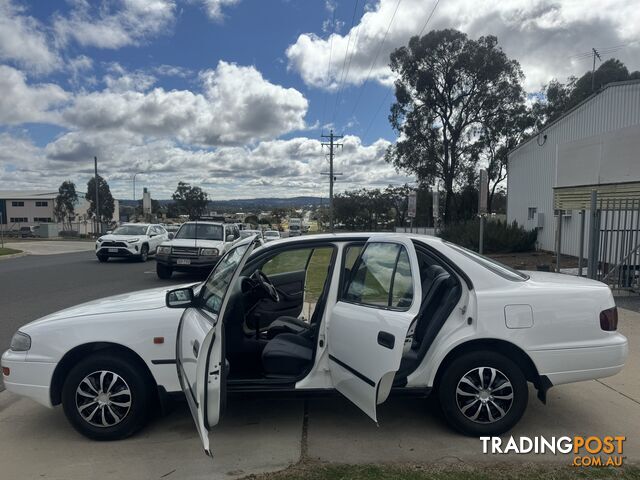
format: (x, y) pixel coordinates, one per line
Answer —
(200, 356)
(366, 341)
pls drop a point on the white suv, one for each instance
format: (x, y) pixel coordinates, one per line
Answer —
(196, 246)
(131, 240)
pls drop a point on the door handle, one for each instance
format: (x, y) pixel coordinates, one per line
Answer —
(196, 348)
(387, 340)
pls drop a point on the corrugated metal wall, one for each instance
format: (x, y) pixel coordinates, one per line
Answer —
(532, 167)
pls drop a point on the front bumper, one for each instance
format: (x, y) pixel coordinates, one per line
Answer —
(29, 379)
(119, 251)
(568, 365)
(179, 263)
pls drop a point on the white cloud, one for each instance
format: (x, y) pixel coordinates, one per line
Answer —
(541, 35)
(23, 40)
(115, 23)
(22, 103)
(214, 7)
(120, 80)
(271, 168)
(237, 106)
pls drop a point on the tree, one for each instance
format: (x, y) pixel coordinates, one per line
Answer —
(64, 204)
(498, 137)
(558, 98)
(172, 210)
(448, 88)
(105, 198)
(252, 219)
(191, 201)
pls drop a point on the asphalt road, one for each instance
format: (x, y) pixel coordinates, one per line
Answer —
(37, 285)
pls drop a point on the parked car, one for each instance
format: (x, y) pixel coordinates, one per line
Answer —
(196, 246)
(392, 313)
(249, 233)
(271, 235)
(173, 228)
(29, 232)
(131, 240)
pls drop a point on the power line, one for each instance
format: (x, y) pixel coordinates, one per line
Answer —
(386, 96)
(603, 50)
(324, 104)
(362, 87)
(344, 63)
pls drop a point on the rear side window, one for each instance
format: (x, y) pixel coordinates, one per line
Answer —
(382, 277)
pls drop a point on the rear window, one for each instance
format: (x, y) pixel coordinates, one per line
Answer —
(489, 263)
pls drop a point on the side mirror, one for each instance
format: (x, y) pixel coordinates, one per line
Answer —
(180, 298)
(231, 238)
(151, 235)
(171, 235)
(109, 232)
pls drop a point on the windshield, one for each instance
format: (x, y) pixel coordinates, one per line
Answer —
(215, 288)
(270, 234)
(131, 230)
(202, 231)
(491, 264)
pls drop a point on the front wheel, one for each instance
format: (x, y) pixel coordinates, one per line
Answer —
(106, 397)
(164, 272)
(483, 393)
(144, 253)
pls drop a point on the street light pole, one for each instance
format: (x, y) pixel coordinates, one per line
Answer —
(98, 222)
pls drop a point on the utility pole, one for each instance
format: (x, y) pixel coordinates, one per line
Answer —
(332, 175)
(593, 70)
(98, 223)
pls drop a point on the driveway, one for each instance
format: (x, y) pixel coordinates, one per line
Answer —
(51, 247)
(260, 434)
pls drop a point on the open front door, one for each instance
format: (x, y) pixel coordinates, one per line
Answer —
(371, 318)
(200, 354)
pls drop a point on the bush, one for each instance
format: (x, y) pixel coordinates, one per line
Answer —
(68, 234)
(499, 237)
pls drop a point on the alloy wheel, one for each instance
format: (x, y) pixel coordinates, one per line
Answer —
(103, 399)
(484, 395)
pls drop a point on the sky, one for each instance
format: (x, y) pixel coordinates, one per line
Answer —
(233, 95)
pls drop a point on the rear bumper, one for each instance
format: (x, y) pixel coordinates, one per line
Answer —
(29, 379)
(568, 365)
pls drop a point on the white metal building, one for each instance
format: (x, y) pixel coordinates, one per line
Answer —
(594, 146)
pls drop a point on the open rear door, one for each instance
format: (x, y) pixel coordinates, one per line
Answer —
(371, 318)
(200, 354)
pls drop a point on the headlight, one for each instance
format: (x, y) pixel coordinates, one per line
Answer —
(210, 252)
(164, 250)
(100, 239)
(133, 240)
(21, 342)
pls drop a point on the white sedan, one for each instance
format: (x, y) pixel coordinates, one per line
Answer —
(368, 315)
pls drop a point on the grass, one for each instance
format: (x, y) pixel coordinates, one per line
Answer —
(8, 251)
(315, 471)
(296, 260)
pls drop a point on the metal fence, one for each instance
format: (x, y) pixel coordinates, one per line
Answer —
(613, 253)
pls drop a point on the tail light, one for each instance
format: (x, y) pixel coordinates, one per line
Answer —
(609, 319)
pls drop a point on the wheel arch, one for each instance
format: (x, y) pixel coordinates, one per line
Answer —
(80, 352)
(508, 349)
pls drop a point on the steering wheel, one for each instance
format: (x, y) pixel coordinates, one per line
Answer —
(267, 285)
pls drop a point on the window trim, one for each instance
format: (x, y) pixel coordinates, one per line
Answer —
(382, 307)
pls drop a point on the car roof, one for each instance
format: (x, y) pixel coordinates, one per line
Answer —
(429, 239)
(136, 224)
(206, 222)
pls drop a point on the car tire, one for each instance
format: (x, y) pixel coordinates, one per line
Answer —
(121, 421)
(144, 253)
(501, 396)
(164, 272)
(103, 258)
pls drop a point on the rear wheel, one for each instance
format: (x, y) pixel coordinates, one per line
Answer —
(144, 253)
(106, 397)
(163, 271)
(103, 258)
(483, 393)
